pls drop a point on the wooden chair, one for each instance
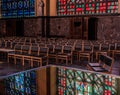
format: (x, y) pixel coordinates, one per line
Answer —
(117, 49)
(53, 54)
(67, 54)
(111, 49)
(8, 45)
(96, 49)
(105, 64)
(3, 44)
(11, 55)
(24, 54)
(42, 57)
(76, 50)
(104, 48)
(87, 52)
(35, 44)
(34, 53)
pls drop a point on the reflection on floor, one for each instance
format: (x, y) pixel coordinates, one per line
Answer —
(9, 68)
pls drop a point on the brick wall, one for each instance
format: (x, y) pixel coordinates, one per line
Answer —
(2, 28)
(32, 27)
(108, 28)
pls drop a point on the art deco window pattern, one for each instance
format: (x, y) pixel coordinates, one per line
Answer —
(73, 82)
(17, 8)
(86, 7)
(21, 84)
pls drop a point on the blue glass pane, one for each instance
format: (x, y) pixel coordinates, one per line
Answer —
(20, 12)
(20, 4)
(14, 5)
(26, 12)
(17, 8)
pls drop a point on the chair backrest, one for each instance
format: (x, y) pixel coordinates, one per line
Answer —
(13, 45)
(78, 47)
(111, 46)
(41, 44)
(43, 51)
(104, 47)
(18, 48)
(2, 44)
(67, 49)
(118, 46)
(87, 48)
(107, 62)
(8, 44)
(33, 40)
(20, 43)
(50, 47)
(96, 47)
(58, 49)
(34, 51)
(25, 49)
(27, 43)
(35, 44)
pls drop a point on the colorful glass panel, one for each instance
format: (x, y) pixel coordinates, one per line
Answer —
(21, 84)
(73, 82)
(17, 8)
(86, 7)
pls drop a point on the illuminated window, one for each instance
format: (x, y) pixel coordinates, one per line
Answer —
(17, 8)
(86, 7)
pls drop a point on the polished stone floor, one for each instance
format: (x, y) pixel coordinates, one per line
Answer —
(9, 68)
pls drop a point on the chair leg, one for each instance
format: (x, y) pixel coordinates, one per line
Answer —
(31, 62)
(88, 58)
(8, 59)
(23, 61)
(56, 59)
(66, 60)
(40, 61)
(47, 61)
(96, 56)
(14, 60)
(71, 59)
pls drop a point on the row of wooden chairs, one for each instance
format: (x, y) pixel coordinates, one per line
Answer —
(86, 48)
(25, 52)
(80, 50)
(32, 53)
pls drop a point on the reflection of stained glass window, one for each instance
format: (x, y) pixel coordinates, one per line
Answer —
(72, 82)
(21, 84)
(17, 8)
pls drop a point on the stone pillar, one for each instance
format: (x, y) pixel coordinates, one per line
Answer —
(118, 6)
(40, 8)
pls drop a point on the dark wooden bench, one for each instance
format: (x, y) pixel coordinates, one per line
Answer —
(105, 64)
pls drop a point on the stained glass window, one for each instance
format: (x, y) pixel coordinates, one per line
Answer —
(17, 8)
(73, 82)
(86, 7)
(21, 84)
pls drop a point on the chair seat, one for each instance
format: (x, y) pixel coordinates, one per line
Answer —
(38, 57)
(64, 54)
(11, 54)
(52, 53)
(94, 64)
(42, 56)
(99, 69)
(117, 51)
(33, 55)
(101, 52)
(85, 53)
